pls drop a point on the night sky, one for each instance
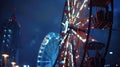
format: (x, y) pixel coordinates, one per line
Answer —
(39, 17)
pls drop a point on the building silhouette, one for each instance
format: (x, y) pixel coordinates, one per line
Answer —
(9, 37)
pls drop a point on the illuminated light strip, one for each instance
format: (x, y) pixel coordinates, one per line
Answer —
(81, 22)
(81, 8)
(47, 41)
(75, 2)
(68, 2)
(91, 38)
(73, 12)
(63, 39)
(64, 59)
(67, 44)
(69, 8)
(83, 40)
(78, 23)
(65, 26)
(69, 15)
(72, 60)
(70, 46)
(77, 15)
(71, 56)
(78, 5)
(85, 5)
(69, 11)
(65, 53)
(66, 16)
(72, 21)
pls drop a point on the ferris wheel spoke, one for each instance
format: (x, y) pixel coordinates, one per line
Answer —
(81, 8)
(69, 8)
(80, 37)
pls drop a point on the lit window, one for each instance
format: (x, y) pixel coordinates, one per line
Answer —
(7, 45)
(9, 35)
(5, 30)
(3, 41)
(9, 30)
(4, 35)
(8, 40)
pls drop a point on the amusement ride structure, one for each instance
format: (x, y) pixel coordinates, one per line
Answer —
(84, 37)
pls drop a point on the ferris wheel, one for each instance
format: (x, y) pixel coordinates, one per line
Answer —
(86, 25)
(84, 38)
(48, 50)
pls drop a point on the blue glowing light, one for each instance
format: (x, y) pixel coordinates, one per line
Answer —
(4, 35)
(5, 30)
(3, 41)
(8, 40)
(9, 35)
(9, 30)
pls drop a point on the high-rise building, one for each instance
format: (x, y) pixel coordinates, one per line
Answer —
(9, 37)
